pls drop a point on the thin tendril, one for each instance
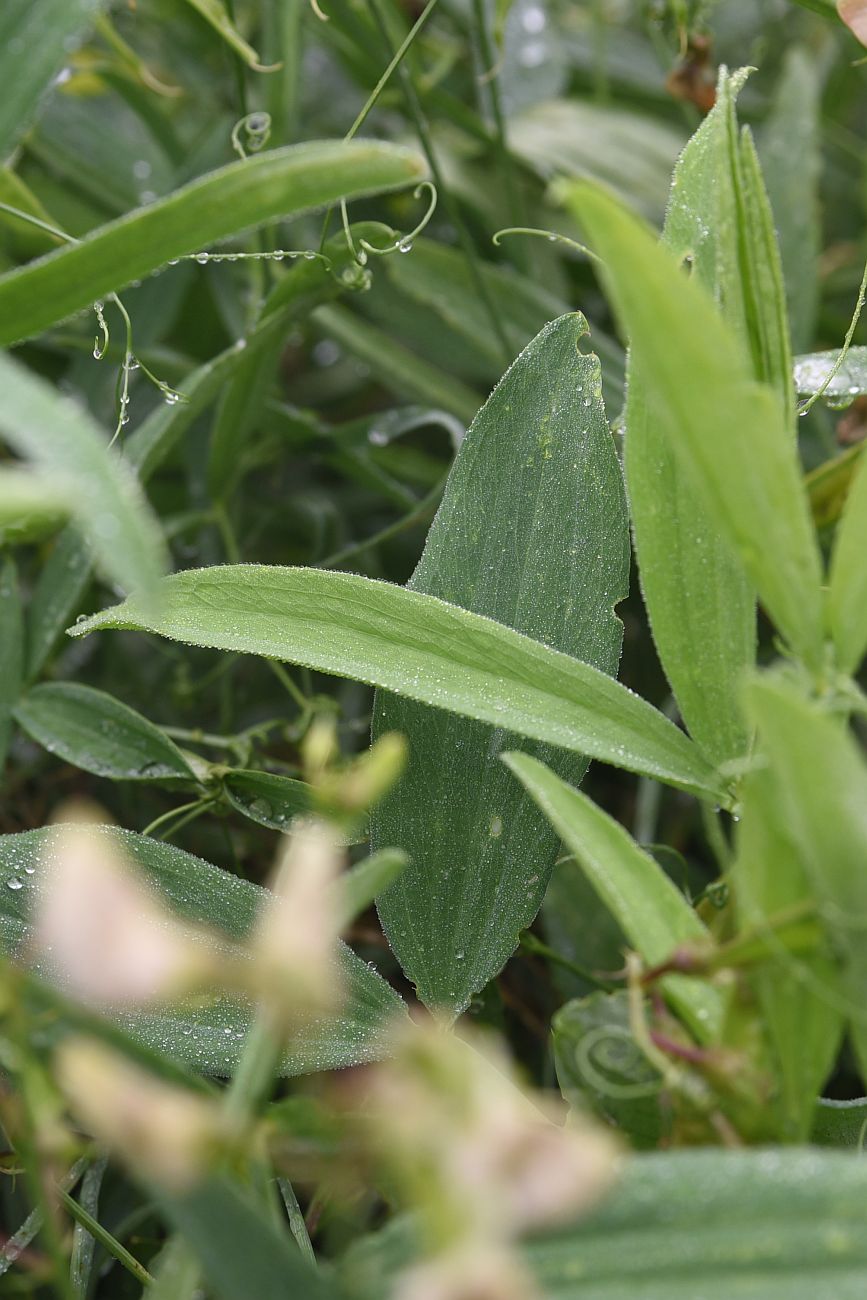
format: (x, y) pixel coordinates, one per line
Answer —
(257, 127)
(550, 235)
(320, 13)
(404, 242)
(807, 406)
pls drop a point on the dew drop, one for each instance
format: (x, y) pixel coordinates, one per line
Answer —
(202, 258)
(14, 882)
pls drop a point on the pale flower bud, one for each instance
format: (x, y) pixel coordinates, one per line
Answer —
(162, 1132)
(103, 933)
(473, 1148)
(471, 1272)
(294, 946)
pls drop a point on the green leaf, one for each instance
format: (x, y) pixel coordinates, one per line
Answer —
(280, 183)
(242, 1252)
(850, 381)
(580, 929)
(11, 652)
(532, 532)
(679, 1225)
(728, 430)
(700, 605)
(35, 41)
(30, 505)
(96, 732)
(109, 508)
(821, 786)
(360, 886)
(840, 1123)
(847, 597)
(799, 993)
(792, 175)
(420, 647)
(266, 798)
(208, 1035)
(758, 1225)
(653, 914)
(600, 1066)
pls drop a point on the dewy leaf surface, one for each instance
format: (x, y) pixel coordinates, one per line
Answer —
(93, 730)
(278, 184)
(651, 911)
(532, 532)
(208, 1035)
(729, 430)
(423, 648)
(699, 601)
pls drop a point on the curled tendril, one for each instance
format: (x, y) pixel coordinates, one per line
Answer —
(256, 128)
(404, 242)
(102, 340)
(550, 235)
(319, 12)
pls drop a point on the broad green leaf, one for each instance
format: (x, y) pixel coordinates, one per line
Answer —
(849, 382)
(533, 532)
(55, 596)
(61, 439)
(208, 1035)
(651, 911)
(840, 1123)
(96, 732)
(420, 647)
(400, 370)
(281, 183)
(215, 13)
(700, 604)
(792, 176)
(847, 597)
(266, 798)
(821, 785)
(799, 993)
(686, 1225)
(242, 1252)
(11, 652)
(35, 41)
(600, 1066)
(756, 1225)
(729, 430)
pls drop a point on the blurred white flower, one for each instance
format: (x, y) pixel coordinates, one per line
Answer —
(294, 944)
(103, 933)
(165, 1133)
(470, 1272)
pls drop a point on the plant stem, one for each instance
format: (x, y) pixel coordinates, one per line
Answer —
(105, 1239)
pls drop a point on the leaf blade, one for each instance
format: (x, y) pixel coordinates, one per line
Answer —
(420, 647)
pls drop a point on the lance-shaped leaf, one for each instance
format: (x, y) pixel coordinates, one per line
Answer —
(653, 914)
(11, 652)
(423, 648)
(799, 992)
(847, 598)
(729, 430)
(94, 731)
(532, 532)
(821, 784)
(208, 1034)
(107, 503)
(280, 183)
(700, 603)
